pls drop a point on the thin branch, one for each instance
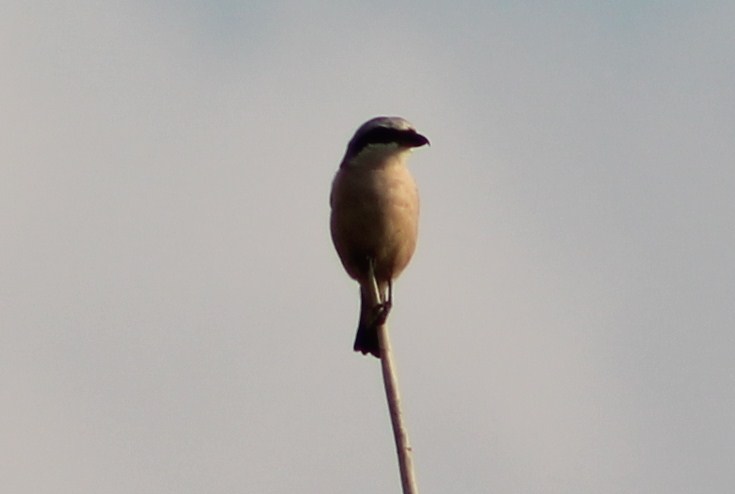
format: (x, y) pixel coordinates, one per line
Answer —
(403, 448)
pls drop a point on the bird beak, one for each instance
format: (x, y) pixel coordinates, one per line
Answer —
(416, 140)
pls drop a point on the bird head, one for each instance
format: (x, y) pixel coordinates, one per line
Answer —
(384, 135)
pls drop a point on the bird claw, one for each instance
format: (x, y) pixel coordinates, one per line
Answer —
(380, 313)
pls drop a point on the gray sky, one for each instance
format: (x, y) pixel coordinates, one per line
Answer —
(173, 315)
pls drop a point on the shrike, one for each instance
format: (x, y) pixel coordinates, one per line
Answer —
(375, 212)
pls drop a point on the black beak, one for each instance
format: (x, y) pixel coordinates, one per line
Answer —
(415, 140)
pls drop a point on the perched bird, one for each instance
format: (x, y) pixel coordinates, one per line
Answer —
(375, 212)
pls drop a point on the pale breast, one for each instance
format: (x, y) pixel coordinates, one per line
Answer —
(375, 214)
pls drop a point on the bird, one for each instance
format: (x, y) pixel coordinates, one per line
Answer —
(374, 216)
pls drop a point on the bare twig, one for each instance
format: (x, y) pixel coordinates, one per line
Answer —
(405, 463)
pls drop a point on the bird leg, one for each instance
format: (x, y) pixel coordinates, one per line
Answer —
(383, 305)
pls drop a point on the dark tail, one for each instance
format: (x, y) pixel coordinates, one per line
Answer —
(366, 340)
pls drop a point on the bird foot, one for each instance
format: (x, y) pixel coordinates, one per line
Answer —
(380, 313)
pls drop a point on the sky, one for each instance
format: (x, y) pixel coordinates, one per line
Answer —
(173, 315)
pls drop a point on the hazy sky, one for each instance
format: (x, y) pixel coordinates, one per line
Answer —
(173, 317)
